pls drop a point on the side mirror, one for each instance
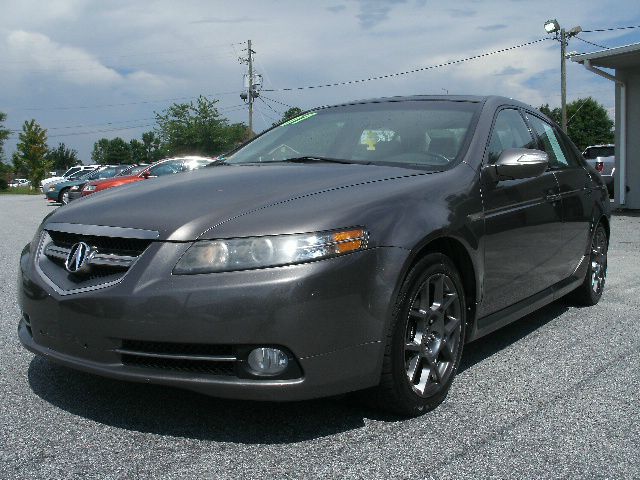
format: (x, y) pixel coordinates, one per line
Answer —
(518, 163)
(146, 174)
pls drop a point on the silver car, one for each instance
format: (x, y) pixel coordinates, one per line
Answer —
(602, 158)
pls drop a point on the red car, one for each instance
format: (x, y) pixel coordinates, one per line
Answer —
(168, 166)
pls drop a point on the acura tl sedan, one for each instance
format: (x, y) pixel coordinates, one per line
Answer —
(354, 247)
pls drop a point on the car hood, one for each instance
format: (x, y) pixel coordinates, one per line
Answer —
(182, 207)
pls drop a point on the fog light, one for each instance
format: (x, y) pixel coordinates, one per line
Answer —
(267, 361)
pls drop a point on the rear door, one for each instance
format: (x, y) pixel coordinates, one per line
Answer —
(523, 220)
(575, 191)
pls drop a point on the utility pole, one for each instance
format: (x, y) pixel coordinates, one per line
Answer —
(253, 82)
(552, 26)
(563, 77)
(250, 55)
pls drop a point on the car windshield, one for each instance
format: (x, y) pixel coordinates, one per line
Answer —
(71, 172)
(428, 133)
(132, 170)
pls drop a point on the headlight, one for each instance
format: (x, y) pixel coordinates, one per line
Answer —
(208, 256)
(52, 189)
(89, 188)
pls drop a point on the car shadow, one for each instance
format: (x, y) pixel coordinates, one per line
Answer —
(626, 213)
(181, 413)
(477, 351)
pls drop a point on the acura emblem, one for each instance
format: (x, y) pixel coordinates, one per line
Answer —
(79, 258)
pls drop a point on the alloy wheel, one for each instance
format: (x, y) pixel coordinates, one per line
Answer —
(432, 336)
(598, 261)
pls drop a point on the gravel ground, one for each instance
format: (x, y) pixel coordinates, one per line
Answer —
(555, 395)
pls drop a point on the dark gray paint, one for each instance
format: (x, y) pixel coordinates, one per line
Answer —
(331, 314)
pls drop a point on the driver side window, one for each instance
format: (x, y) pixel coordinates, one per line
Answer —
(509, 131)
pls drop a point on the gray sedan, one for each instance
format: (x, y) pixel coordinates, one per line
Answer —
(354, 247)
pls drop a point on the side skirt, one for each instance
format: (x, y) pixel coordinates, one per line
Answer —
(485, 325)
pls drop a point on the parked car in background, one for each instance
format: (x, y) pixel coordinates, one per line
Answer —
(20, 182)
(602, 158)
(75, 192)
(59, 192)
(356, 246)
(167, 166)
(72, 173)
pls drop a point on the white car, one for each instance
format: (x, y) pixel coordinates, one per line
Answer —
(20, 182)
(47, 182)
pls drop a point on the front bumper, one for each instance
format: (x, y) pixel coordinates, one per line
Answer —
(75, 194)
(52, 196)
(331, 316)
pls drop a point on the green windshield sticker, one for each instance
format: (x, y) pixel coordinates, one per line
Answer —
(299, 119)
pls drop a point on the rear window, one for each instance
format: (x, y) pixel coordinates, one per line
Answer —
(594, 152)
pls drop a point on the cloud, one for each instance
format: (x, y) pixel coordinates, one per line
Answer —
(493, 28)
(40, 54)
(224, 20)
(374, 12)
(337, 8)
(37, 53)
(460, 12)
(510, 71)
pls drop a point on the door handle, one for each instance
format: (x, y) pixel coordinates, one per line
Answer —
(552, 197)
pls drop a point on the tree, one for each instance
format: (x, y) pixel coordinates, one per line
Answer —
(4, 134)
(197, 128)
(289, 114)
(138, 151)
(152, 146)
(5, 175)
(63, 158)
(111, 152)
(588, 122)
(30, 157)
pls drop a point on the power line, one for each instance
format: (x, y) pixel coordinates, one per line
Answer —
(415, 70)
(65, 127)
(109, 105)
(276, 101)
(146, 54)
(270, 107)
(592, 43)
(610, 29)
(130, 127)
(100, 131)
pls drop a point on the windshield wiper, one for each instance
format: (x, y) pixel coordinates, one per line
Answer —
(313, 158)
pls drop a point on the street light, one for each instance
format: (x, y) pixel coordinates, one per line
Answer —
(563, 36)
(552, 26)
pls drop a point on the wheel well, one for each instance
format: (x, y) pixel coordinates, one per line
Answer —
(605, 223)
(458, 254)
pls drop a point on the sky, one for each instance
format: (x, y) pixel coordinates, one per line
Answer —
(88, 69)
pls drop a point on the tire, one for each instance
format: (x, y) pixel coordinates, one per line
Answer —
(590, 291)
(63, 197)
(425, 341)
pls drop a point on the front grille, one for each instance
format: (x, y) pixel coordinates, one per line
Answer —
(179, 357)
(177, 348)
(181, 365)
(109, 260)
(112, 245)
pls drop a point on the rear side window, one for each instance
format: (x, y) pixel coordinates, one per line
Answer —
(550, 142)
(509, 131)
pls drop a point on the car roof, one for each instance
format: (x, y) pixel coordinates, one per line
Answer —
(484, 99)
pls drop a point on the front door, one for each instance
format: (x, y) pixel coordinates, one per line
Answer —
(523, 220)
(575, 191)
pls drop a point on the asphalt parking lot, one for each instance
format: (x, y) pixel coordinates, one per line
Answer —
(555, 395)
